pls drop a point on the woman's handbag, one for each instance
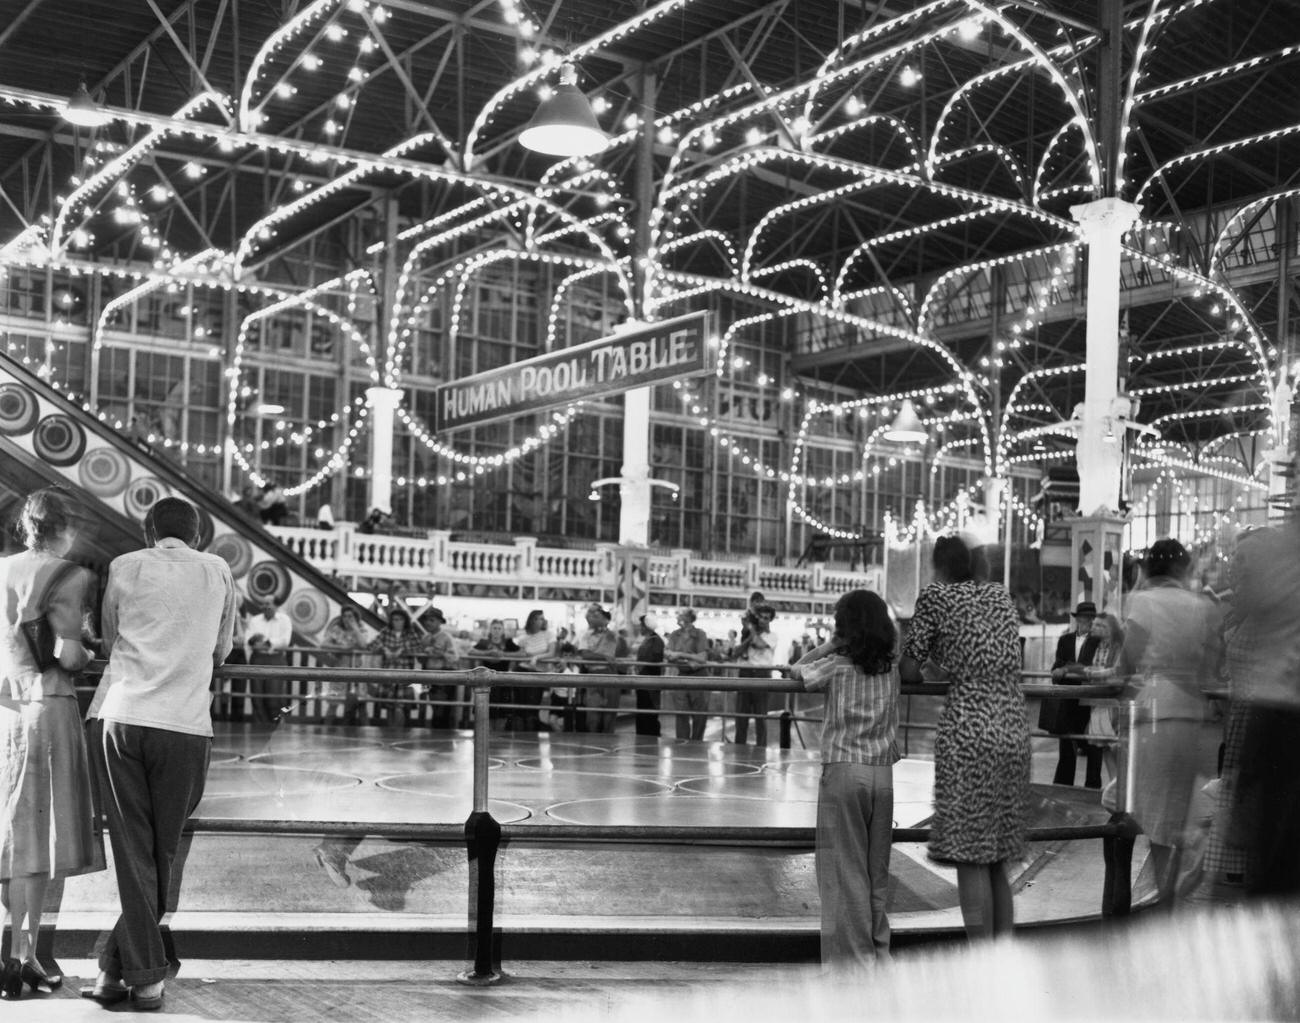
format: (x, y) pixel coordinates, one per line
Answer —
(38, 631)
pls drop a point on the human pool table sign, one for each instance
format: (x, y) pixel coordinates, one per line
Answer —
(668, 350)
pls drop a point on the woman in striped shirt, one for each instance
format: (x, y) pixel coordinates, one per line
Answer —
(855, 804)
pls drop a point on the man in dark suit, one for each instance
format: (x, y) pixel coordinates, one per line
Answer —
(1074, 652)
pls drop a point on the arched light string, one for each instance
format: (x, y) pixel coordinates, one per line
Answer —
(796, 264)
(1212, 151)
(1040, 61)
(1039, 193)
(338, 458)
(1227, 70)
(480, 464)
(1003, 157)
(793, 307)
(462, 273)
(1217, 253)
(899, 301)
(1189, 504)
(860, 125)
(179, 268)
(573, 176)
(815, 408)
(114, 168)
(1238, 320)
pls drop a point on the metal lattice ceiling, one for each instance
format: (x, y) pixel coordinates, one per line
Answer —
(901, 171)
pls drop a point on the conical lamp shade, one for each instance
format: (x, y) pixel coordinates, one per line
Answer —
(564, 125)
(83, 111)
(906, 427)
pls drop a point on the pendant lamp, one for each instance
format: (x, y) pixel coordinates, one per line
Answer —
(83, 111)
(565, 124)
(906, 427)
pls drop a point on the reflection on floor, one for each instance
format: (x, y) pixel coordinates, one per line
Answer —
(322, 774)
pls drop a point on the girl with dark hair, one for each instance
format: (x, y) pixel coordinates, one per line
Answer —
(967, 632)
(46, 818)
(1172, 645)
(855, 802)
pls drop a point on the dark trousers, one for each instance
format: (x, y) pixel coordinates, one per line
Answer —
(647, 700)
(1267, 786)
(269, 694)
(752, 704)
(1065, 766)
(231, 707)
(155, 780)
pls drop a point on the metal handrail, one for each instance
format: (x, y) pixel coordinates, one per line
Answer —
(483, 835)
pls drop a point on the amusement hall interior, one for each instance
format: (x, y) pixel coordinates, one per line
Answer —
(256, 238)
(492, 309)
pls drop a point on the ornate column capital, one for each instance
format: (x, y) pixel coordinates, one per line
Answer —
(1104, 217)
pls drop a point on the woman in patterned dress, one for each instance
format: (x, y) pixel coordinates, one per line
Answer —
(966, 632)
(46, 815)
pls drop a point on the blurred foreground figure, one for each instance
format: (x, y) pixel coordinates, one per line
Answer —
(1263, 812)
(1172, 647)
(1237, 964)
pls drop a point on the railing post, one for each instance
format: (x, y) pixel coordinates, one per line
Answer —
(1117, 889)
(482, 840)
(785, 728)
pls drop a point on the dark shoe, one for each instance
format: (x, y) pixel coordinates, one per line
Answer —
(107, 992)
(11, 979)
(38, 980)
(147, 1002)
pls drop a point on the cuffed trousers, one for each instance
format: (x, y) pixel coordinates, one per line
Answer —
(855, 820)
(155, 780)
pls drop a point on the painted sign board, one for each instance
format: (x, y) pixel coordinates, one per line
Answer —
(668, 350)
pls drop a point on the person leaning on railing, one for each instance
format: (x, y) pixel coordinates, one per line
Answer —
(439, 654)
(687, 649)
(537, 653)
(346, 637)
(855, 802)
(599, 651)
(497, 652)
(398, 646)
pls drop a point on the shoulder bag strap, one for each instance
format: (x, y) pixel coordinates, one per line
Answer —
(64, 569)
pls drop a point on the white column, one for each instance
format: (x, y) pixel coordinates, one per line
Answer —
(382, 402)
(1102, 223)
(634, 491)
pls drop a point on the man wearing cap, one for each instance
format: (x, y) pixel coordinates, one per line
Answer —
(650, 661)
(1074, 652)
(601, 649)
(688, 650)
(439, 654)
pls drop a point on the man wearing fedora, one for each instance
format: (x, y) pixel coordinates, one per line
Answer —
(1074, 652)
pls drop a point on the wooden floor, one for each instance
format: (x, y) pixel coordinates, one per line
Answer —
(265, 895)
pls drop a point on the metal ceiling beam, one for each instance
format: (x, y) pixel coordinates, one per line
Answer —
(17, 20)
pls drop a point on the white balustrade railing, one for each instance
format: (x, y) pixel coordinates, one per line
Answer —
(437, 558)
